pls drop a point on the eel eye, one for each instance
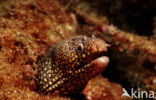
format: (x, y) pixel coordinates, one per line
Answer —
(80, 47)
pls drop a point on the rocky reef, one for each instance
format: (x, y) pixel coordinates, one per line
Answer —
(28, 28)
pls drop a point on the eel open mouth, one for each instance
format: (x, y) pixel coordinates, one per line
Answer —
(93, 67)
(97, 62)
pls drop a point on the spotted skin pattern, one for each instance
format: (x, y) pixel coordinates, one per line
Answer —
(67, 66)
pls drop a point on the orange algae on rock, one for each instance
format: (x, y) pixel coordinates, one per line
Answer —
(27, 29)
(26, 32)
(100, 88)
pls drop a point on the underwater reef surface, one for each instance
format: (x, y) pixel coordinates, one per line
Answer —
(28, 28)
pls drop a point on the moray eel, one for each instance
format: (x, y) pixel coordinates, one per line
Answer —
(67, 66)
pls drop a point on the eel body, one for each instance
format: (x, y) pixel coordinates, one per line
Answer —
(67, 66)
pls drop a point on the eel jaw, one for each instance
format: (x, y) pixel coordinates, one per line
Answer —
(93, 67)
(98, 65)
